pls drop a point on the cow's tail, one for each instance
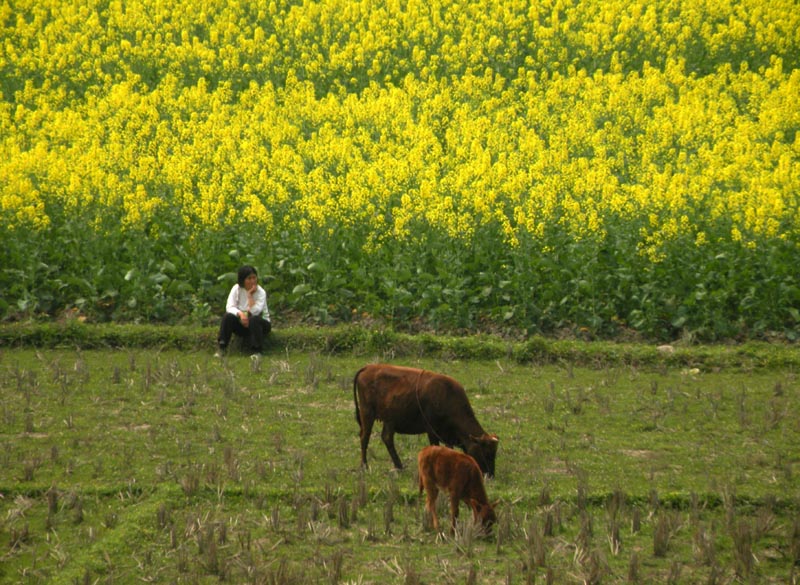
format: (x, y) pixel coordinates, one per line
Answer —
(355, 396)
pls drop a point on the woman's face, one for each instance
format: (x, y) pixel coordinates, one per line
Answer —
(250, 282)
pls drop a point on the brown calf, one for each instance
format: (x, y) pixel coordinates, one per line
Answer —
(457, 474)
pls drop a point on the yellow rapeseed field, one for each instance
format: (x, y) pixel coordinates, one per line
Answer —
(665, 123)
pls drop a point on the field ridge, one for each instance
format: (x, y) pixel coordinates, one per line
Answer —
(355, 338)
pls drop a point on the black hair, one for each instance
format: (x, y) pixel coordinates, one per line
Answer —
(244, 272)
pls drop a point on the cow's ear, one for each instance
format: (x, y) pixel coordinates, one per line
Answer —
(485, 438)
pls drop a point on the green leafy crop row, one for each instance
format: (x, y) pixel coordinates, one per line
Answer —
(598, 169)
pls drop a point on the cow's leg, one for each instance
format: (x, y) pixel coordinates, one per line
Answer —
(433, 439)
(366, 431)
(388, 439)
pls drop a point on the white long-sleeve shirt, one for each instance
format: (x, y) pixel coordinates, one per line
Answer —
(238, 301)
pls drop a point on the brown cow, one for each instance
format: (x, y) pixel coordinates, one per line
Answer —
(459, 476)
(410, 401)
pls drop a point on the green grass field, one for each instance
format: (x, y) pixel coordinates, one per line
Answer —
(140, 465)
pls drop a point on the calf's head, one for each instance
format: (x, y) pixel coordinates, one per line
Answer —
(485, 513)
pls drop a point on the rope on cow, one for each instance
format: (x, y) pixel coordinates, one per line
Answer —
(431, 430)
(430, 426)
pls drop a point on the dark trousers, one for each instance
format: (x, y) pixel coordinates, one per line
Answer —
(253, 335)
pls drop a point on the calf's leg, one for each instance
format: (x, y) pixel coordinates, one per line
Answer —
(430, 503)
(453, 512)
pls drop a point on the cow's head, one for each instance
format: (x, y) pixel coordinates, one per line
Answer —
(483, 449)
